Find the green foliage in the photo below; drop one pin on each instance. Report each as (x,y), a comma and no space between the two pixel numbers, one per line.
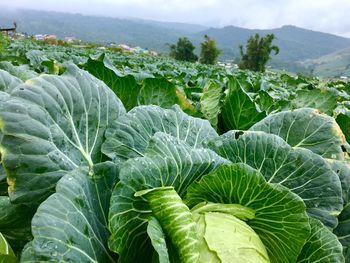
(3,42)
(209,51)
(183,50)
(258,52)
(82,180)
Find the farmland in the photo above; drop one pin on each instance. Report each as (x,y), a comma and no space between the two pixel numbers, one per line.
(118,157)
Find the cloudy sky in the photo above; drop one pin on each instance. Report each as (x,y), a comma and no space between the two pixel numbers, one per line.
(331,16)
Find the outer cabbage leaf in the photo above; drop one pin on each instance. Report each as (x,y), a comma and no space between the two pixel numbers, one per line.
(129,135)
(306,128)
(168,161)
(7,81)
(62,123)
(37,58)
(211,102)
(71,225)
(125,87)
(158,91)
(321,246)
(302,171)
(15,223)
(27,255)
(280,217)
(22,72)
(239,111)
(343,119)
(323,100)
(343,228)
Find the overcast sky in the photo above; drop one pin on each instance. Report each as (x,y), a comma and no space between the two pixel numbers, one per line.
(331,16)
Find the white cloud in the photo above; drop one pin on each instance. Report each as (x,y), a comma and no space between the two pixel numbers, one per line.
(324,15)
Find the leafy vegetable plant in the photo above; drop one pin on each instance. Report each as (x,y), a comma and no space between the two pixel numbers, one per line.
(85,179)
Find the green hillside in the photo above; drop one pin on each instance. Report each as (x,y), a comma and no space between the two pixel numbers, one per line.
(335,64)
(295,43)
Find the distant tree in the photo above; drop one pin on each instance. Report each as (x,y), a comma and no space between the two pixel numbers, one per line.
(257,54)
(183,50)
(209,51)
(3,42)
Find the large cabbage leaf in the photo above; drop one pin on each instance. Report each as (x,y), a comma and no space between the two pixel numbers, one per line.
(321,246)
(71,225)
(168,161)
(343,119)
(302,171)
(306,128)
(62,122)
(7,81)
(125,87)
(239,111)
(22,72)
(322,99)
(158,91)
(129,135)
(343,228)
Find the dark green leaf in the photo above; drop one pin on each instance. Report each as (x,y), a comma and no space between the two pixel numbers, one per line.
(239,111)
(125,87)
(15,223)
(343,119)
(321,246)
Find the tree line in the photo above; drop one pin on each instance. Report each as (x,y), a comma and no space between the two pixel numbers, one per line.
(254,57)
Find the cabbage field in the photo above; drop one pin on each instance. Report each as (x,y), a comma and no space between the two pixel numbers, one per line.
(117,157)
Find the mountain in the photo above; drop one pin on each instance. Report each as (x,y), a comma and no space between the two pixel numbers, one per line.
(134,32)
(335,64)
(296,44)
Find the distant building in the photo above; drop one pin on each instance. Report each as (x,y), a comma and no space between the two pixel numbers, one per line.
(126,48)
(11,30)
(21,35)
(39,37)
(50,37)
